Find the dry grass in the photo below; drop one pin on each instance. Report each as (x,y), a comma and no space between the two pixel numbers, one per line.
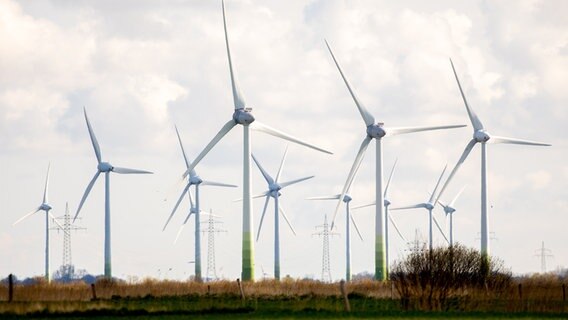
(80,291)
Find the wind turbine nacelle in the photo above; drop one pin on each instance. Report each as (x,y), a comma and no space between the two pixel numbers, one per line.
(243,116)
(45,207)
(386,203)
(275,193)
(105,167)
(481,136)
(429,206)
(195,180)
(376,131)
(347,198)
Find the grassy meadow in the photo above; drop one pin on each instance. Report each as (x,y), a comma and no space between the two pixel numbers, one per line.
(527,298)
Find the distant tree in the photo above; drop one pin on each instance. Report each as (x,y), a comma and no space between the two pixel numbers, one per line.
(431,277)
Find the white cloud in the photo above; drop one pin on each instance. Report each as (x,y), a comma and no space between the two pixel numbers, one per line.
(141,66)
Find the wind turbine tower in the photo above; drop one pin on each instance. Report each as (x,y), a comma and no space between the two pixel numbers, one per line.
(193,180)
(106,168)
(274,187)
(325,261)
(242,115)
(483,137)
(46,208)
(375,131)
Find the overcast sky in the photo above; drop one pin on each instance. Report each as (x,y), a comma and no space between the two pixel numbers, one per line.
(139,67)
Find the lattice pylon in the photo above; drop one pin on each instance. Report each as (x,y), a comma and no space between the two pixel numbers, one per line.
(325,262)
(211,231)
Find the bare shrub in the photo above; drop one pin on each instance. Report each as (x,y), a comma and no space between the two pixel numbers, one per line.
(430,278)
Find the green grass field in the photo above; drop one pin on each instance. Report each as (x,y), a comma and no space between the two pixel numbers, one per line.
(223,306)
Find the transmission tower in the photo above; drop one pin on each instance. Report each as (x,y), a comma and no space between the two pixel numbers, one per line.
(325,263)
(543,253)
(211,230)
(67,268)
(418,244)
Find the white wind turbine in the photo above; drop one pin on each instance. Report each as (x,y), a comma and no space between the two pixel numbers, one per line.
(274,187)
(429,205)
(375,131)
(106,168)
(243,115)
(386,204)
(348,220)
(480,135)
(194,180)
(449,210)
(44,207)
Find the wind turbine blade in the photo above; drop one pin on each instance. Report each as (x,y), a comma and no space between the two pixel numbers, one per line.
(238,97)
(367,116)
(440,228)
(93,137)
(129,171)
(256,125)
(45,190)
(437,185)
(464,155)
(288,183)
(364,206)
(281,165)
(224,130)
(498,139)
(420,205)
(475,122)
(26,216)
(396,228)
(393,131)
(187,163)
(190,196)
(286,218)
(89,187)
(356,227)
(176,206)
(182,226)
(456,197)
(265,174)
(260,195)
(390,177)
(56,222)
(262,217)
(442,204)
(333,197)
(217,184)
(351,175)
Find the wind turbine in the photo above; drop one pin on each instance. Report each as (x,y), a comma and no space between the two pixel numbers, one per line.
(429,205)
(375,131)
(243,115)
(480,135)
(44,207)
(449,210)
(348,220)
(274,187)
(386,204)
(106,168)
(194,180)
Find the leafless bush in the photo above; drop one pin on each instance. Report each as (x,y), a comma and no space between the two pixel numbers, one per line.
(432,277)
